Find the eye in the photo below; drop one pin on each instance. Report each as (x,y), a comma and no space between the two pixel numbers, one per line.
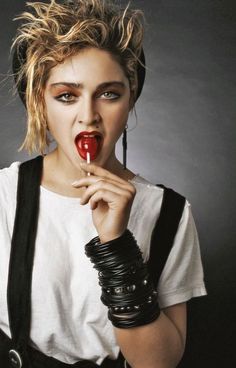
(66,97)
(108,95)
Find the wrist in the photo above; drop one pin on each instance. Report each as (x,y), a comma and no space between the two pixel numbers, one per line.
(103,239)
(127,289)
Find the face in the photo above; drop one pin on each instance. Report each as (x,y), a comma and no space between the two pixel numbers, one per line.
(88,92)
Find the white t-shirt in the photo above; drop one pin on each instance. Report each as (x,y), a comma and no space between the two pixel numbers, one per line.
(69,321)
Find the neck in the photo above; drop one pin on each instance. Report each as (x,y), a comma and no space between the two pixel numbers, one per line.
(63,169)
(115,167)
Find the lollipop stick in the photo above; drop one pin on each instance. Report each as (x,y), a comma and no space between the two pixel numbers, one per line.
(88,160)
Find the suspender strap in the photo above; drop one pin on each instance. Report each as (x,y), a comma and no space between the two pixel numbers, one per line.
(164,231)
(22,252)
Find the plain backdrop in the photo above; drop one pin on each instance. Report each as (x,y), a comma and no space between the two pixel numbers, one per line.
(184,137)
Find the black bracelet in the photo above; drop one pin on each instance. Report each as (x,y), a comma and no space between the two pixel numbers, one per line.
(127,289)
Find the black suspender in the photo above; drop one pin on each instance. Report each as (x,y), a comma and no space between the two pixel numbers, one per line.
(22,252)
(23,245)
(164,231)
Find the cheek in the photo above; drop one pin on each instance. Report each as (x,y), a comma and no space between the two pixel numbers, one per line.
(57,117)
(117,118)
(54,112)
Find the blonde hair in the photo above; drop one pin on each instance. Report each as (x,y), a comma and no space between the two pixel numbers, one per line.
(53,32)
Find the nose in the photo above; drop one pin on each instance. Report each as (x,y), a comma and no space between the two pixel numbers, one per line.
(87,113)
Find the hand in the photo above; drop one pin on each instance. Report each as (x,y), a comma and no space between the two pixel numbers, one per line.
(110,199)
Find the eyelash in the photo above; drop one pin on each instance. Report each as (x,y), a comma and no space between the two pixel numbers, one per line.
(71,95)
(112,93)
(63,95)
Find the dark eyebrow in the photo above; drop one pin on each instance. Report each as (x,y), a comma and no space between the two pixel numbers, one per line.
(110,84)
(80,85)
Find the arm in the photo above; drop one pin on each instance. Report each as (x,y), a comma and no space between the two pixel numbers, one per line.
(159,344)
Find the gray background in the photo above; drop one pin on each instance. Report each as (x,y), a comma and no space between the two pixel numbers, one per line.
(184,138)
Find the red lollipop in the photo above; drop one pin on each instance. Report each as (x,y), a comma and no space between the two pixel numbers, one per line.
(88,145)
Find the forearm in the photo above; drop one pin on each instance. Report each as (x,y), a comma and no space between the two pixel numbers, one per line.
(155,345)
(148,337)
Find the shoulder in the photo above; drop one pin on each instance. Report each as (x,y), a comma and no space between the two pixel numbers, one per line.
(149,193)
(145,188)
(146,210)
(176,214)
(152,194)
(8,192)
(9,174)
(146,205)
(8,181)
(151,198)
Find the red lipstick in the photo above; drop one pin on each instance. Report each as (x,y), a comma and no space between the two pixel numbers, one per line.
(89,142)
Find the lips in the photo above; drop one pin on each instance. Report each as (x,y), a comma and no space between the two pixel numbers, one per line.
(89,142)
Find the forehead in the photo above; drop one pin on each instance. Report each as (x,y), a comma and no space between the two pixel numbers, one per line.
(90,65)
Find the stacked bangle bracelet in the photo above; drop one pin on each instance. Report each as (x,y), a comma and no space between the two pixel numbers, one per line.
(127,289)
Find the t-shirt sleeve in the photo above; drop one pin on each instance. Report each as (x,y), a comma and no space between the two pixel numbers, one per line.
(8,188)
(182,277)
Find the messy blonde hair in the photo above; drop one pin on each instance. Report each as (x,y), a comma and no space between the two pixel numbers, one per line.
(53,32)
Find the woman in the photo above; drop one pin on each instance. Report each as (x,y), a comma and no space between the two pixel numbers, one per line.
(79,70)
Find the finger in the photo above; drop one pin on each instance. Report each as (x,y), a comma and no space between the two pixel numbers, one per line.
(100,171)
(88,181)
(106,196)
(102,185)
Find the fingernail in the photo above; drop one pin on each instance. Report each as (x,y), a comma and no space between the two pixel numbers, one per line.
(75,183)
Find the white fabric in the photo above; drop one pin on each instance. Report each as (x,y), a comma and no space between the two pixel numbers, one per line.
(69,322)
